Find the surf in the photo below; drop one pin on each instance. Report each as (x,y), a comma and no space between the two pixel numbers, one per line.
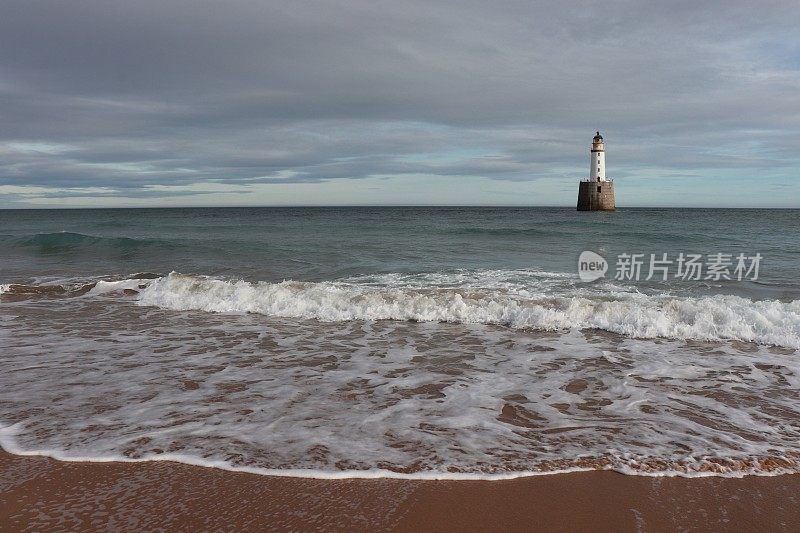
(533,302)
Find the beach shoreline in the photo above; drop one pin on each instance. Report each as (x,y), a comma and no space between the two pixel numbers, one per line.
(40,493)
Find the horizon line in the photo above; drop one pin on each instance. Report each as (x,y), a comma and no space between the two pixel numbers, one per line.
(308,206)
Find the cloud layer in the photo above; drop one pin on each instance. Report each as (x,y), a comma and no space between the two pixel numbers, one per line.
(163,101)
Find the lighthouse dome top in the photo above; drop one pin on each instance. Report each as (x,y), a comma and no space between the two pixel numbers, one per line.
(598,138)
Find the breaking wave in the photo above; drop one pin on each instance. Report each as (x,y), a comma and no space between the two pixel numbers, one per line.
(73,288)
(544,301)
(345,395)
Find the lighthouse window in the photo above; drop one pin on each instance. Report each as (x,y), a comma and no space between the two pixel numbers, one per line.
(598,188)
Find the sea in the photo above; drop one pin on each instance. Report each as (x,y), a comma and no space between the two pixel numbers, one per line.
(413,342)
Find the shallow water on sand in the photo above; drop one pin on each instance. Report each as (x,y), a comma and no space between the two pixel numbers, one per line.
(100,376)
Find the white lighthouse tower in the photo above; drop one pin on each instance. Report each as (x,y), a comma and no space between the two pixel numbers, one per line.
(597,193)
(597,171)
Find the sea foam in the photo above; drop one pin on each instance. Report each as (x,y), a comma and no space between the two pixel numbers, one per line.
(345,397)
(536,301)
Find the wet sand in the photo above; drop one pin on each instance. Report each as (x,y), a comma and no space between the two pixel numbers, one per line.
(39,493)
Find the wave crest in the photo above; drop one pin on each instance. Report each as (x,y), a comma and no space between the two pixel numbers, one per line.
(545,305)
(66,241)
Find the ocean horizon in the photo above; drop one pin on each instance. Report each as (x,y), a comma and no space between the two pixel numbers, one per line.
(379,206)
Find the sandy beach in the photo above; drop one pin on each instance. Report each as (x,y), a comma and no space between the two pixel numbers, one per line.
(38,493)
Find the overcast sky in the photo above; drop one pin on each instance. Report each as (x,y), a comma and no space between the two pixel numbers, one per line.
(173,102)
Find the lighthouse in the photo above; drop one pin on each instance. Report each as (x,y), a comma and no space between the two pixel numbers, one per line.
(596,193)
(597,171)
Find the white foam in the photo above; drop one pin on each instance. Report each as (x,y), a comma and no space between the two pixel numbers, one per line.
(9,444)
(105,287)
(535,301)
(350,396)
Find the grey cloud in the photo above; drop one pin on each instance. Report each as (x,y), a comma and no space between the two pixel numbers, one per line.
(180,92)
